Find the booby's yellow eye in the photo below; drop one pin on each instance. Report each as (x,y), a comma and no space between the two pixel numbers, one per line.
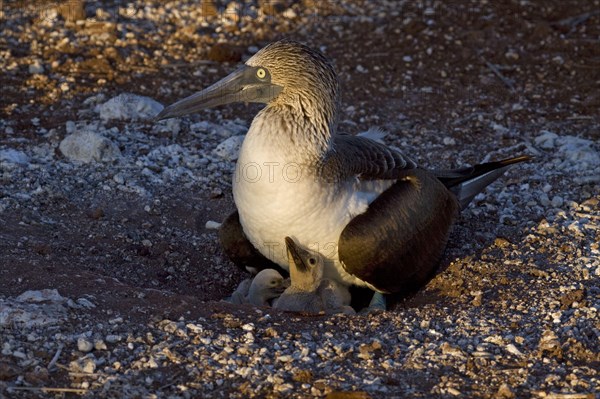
(261,73)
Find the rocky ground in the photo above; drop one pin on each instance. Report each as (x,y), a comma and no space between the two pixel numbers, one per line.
(111,278)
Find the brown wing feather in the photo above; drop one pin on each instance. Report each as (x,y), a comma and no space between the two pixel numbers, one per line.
(363,157)
(397,243)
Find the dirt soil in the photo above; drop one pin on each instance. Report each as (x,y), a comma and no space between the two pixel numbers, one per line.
(514,309)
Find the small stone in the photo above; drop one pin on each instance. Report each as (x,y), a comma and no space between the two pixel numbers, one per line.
(303,376)
(195,328)
(10,155)
(557,201)
(544,200)
(568,299)
(47,295)
(112,338)
(511,348)
(547,187)
(99,345)
(504,392)
(19,355)
(83,345)
(36,67)
(546,140)
(283,388)
(87,146)
(290,13)
(86,364)
(230,148)
(212,225)
(129,106)
(89,366)
(119,179)
(501,242)
(216,193)
(477,298)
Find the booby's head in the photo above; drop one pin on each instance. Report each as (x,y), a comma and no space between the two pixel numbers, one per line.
(284,72)
(267,285)
(306,267)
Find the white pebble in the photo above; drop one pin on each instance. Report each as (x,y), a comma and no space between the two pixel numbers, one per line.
(511,348)
(84,345)
(212,225)
(129,106)
(87,146)
(230,148)
(46,295)
(10,155)
(546,139)
(99,345)
(290,14)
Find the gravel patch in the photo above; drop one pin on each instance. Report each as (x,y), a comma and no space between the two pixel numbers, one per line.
(112,275)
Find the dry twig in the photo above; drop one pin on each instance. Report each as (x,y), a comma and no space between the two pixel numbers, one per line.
(507,82)
(55,357)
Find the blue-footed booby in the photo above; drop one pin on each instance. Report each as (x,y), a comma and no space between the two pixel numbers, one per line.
(376,218)
(309,291)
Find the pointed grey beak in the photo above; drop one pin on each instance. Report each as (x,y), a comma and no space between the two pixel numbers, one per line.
(297,254)
(242,85)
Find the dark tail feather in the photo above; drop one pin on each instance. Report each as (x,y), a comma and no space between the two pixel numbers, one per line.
(467,182)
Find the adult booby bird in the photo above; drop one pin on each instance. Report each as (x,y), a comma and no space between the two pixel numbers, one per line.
(376,218)
(309,291)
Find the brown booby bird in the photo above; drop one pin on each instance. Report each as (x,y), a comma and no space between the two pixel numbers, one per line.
(376,218)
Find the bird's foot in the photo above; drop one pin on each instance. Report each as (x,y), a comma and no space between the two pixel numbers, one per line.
(378,304)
